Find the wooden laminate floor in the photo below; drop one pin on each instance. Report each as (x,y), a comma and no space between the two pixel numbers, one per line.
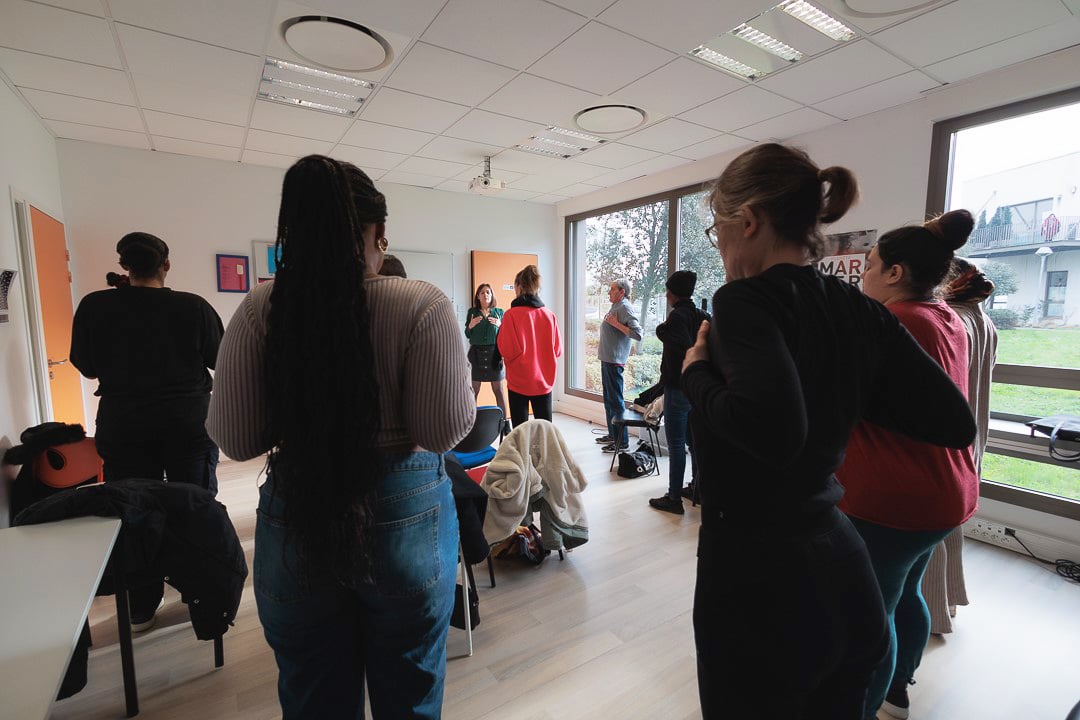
(604,634)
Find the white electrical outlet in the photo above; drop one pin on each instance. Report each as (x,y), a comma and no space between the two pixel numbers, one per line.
(989,532)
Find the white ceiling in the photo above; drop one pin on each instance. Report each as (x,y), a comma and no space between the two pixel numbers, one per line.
(475,77)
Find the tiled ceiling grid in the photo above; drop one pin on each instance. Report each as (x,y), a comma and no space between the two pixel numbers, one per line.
(475,77)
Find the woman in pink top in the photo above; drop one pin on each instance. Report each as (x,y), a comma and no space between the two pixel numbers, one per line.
(904,496)
(530,345)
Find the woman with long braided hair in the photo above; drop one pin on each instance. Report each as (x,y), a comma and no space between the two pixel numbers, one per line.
(330,368)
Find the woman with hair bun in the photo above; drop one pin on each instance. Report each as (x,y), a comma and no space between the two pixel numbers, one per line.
(356,385)
(790,363)
(903,495)
(530,345)
(150,348)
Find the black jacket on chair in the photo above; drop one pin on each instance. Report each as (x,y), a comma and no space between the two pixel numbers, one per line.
(173,530)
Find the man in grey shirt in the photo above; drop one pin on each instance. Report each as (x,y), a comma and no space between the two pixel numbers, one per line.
(619,329)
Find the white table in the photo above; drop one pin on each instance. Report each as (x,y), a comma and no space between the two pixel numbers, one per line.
(48,575)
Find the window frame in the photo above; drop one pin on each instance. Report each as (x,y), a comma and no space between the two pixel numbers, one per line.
(1010,443)
(672,198)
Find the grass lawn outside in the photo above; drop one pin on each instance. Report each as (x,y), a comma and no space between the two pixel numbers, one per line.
(1057,347)
(1041,477)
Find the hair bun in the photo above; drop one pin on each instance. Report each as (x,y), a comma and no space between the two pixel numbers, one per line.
(953,227)
(841,194)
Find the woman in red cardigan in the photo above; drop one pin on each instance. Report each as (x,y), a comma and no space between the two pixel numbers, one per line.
(904,496)
(530,345)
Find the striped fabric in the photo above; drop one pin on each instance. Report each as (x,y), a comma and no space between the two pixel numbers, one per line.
(425,396)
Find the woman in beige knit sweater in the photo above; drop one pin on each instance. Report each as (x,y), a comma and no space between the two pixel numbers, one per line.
(355,384)
(965,290)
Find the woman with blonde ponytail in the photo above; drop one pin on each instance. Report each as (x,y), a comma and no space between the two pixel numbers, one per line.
(791,361)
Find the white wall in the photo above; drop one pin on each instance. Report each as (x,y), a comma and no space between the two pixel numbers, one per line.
(202,207)
(889,152)
(28,168)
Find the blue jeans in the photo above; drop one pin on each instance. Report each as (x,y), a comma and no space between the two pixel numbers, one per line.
(611,377)
(899,558)
(328,635)
(676,412)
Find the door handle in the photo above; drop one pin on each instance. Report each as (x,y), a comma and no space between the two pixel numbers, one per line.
(57,362)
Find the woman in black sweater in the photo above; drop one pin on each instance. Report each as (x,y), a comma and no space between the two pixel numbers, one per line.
(789,364)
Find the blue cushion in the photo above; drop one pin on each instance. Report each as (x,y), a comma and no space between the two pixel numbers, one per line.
(475,459)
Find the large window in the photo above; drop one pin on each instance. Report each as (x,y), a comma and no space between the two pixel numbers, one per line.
(642,242)
(1017,169)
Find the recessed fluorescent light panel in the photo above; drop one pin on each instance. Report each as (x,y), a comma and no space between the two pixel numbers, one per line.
(555,141)
(767,43)
(820,21)
(290,83)
(575,134)
(727,63)
(544,151)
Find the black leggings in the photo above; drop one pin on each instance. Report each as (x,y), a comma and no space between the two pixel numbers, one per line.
(519,407)
(787,627)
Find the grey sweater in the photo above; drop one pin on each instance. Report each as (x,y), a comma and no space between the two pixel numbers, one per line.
(614,346)
(425,397)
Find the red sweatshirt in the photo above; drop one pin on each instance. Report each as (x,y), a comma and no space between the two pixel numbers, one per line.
(890,479)
(529,343)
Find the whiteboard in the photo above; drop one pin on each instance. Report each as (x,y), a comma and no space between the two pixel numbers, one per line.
(436,268)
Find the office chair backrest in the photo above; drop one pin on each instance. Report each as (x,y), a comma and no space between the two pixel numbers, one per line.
(488,426)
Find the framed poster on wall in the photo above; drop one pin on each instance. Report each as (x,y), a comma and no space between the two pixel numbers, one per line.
(232,273)
(262,253)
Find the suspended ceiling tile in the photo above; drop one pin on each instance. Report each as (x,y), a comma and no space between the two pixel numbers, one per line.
(51,31)
(406,178)
(888,93)
(722,144)
(385,137)
(615,177)
(511,194)
(548,199)
(614,155)
(679,86)
(90,133)
(453,186)
(427,166)
(255,157)
(681,25)
(434,72)
(966,25)
(837,9)
(590,8)
(572,171)
(299,121)
(237,24)
(415,112)
(497,171)
(1007,52)
(578,189)
(156,55)
(668,135)
(537,183)
(368,159)
(600,60)
(786,126)
(90,7)
(539,100)
(408,17)
(265,141)
(187,147)
(515,33)
(54,106)
(492,129)
(193,129)
(41,72)
(845,69)
(659,164)
(454,150)
(523,162)
(739,109)
(182,99)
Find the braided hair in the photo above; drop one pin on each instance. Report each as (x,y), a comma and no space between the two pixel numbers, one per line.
(320,365)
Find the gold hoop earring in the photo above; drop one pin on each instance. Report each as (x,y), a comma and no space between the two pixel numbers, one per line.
(382,244)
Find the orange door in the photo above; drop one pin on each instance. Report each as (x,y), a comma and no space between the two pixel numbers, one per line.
(497,270)
(54,289)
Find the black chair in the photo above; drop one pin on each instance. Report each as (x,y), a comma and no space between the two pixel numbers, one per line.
(632,418)
(476,449)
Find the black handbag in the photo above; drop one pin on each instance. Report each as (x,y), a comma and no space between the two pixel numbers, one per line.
(457,618)
(638,463)
(1058,427)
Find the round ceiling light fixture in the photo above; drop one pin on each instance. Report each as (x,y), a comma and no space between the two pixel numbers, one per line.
(337,44)
(884,8)
(607,119)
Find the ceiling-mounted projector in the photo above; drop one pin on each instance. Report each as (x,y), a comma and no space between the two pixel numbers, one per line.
(485,184)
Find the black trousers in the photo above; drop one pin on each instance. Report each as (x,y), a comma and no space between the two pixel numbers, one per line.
(156,440)
(519,407)
(789,626)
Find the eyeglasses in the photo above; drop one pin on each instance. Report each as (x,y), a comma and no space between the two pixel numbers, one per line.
(711,234)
